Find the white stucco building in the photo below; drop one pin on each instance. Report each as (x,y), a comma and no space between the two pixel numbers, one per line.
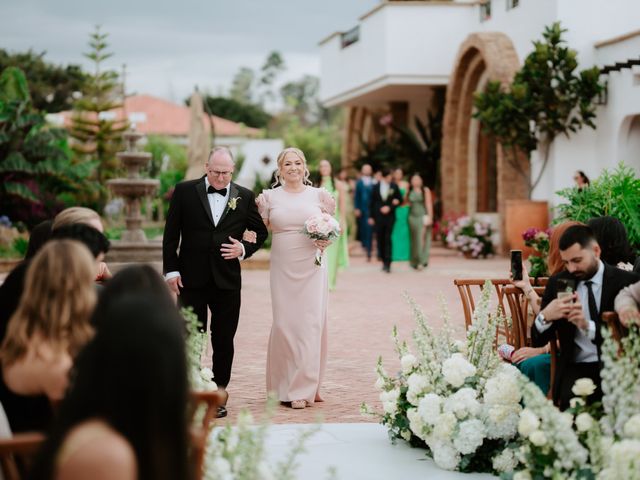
(404,57)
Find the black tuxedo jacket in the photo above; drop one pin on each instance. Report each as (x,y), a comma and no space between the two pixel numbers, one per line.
(376,203)
(190,226)
(613,281)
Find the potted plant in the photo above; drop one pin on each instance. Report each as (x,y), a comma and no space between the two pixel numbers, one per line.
(547,98)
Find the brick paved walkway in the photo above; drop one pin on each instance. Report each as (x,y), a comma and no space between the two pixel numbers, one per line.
(362,311)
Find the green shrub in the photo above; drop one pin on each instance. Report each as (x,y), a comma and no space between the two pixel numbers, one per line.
(615,193)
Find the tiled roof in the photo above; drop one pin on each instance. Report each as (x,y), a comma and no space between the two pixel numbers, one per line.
(153,115)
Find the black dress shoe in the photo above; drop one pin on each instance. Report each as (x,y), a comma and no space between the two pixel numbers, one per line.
(222,412)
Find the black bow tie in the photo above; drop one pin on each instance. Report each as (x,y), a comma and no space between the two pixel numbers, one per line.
(222,191)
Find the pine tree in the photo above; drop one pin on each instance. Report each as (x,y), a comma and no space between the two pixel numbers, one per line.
(96,129)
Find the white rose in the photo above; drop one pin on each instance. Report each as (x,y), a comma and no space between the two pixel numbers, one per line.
(632,427)
(529,422)
(456,370)
(538,438)
(407,362)
(429,408)
(584,422)
(576,402)
(583,387)
(523,475)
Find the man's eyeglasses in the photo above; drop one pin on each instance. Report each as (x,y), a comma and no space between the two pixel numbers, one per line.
(215,173)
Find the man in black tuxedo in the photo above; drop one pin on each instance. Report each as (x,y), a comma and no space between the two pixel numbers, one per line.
(576,318)
(207,218)
(385,197)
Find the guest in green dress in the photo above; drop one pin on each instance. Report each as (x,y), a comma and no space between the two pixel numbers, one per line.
(420,222)
(400,236)
(337,254)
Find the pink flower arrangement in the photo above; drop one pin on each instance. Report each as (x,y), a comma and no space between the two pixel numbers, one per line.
(321,227)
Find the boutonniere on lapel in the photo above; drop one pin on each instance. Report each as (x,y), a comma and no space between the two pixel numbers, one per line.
(233,203)
(390,192)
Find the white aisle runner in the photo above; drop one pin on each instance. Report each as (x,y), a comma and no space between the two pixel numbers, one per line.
(357,451)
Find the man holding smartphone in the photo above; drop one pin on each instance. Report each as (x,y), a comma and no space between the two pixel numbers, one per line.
(576,318)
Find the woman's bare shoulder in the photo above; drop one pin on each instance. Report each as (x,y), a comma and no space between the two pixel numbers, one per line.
(95,450)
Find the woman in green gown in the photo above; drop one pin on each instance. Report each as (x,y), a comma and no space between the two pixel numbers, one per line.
(400,240)
(420,222)
(337,254)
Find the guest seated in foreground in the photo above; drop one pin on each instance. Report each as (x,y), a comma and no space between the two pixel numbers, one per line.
(626,305)
(124,417)
(576,318)
(48,329)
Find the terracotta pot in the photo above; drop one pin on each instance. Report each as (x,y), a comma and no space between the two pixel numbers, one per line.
(468,255)
(521,215)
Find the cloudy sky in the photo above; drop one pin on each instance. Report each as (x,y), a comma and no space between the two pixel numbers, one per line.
(171,45)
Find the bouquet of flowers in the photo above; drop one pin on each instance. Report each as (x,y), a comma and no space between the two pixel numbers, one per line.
(455,398)
(538,240)
(321,227)
(470,236)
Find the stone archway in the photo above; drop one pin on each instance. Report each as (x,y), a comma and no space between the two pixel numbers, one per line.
(482,57)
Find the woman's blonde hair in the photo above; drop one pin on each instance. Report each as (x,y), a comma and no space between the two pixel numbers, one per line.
(297,152)
(73,215)
(57,302)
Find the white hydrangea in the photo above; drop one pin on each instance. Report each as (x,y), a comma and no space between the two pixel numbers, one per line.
(632,427)
(583,387)
(463,403)
(429,408)
(584,422)
(416,423)
(456,369)
(407,363)
(505,461)
(623,461)
(502,388)
(445,456)
(417,384)
(444,426)
(522,475)
(390,401)
(538,438)
(470,435)
(502,420)
(529,422)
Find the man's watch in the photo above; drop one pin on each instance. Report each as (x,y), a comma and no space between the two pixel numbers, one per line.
(542,319)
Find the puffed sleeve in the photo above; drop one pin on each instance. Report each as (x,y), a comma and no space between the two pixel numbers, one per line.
(263,204)
(327,202)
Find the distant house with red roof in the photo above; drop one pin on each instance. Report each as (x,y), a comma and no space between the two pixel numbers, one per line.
(156,116)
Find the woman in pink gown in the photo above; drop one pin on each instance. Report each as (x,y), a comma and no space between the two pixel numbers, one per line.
(297,354)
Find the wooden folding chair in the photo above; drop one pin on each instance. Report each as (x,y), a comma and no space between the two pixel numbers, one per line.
(519,307)
(466,287)
(553,349)
(18,449)
(210,401)
(618,331)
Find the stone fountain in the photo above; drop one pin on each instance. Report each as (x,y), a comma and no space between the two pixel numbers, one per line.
(134,245)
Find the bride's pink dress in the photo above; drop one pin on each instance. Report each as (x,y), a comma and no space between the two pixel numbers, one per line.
(297,354)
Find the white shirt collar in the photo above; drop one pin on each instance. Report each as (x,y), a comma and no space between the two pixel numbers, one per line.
(597,278)
(207,184)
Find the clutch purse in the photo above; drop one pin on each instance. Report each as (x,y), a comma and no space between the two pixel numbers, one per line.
(426,220)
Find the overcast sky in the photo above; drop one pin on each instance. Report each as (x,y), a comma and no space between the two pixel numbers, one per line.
(171,45)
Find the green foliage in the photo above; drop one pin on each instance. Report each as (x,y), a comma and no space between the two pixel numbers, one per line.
(51,87)
(237,111)
(300,98)
(242,85)
(160,147)
(36,171)
(547,98)
(615,193)
(316,141)
(98,136)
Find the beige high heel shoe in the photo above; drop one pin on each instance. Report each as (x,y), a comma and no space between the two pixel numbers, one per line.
(298,404)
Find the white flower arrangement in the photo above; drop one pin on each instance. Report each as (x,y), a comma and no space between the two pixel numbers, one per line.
(454,398)
(200,379)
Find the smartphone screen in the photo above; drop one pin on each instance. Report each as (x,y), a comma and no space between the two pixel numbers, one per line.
(516,264)
(566,287)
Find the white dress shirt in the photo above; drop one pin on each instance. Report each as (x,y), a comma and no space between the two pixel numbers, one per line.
(384,190)
(584,339)
(217,204)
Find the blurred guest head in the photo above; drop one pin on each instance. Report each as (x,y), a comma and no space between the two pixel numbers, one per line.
(416,181)
(386,174)
(70,216)
(93,239)
(366,170)
(613,240)
(398,175)
(554,261)
(325,168)
(581,179)
(56,303)
(39,236)
(133,377)
(580,251)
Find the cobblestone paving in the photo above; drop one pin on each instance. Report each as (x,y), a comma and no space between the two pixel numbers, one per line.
(362,312)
